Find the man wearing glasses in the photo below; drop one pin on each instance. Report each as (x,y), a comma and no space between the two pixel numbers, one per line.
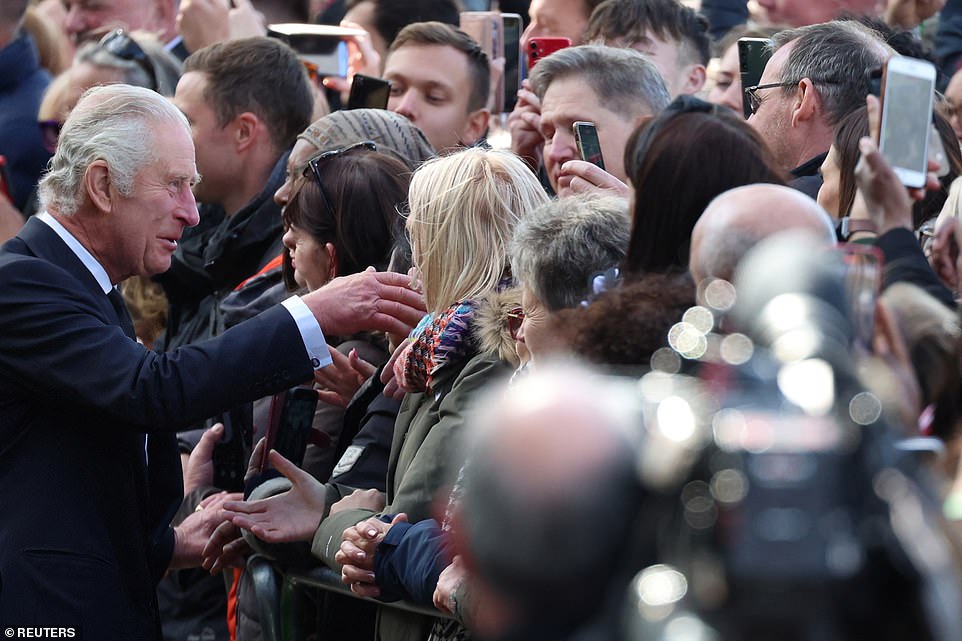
(817,76)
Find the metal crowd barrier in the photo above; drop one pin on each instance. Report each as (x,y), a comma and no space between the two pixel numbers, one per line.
(283,597)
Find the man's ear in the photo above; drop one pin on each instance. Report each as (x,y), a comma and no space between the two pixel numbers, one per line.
(247,129)
(96,182)
(807,104)
(695,78)
(475,127)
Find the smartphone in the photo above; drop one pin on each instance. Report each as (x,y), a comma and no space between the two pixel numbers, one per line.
(6,187)
(753,55)
(538,48)
(513,27)
(863,282)
(291,421)
(368,92)
(486,29)
(232,451)
(589,147)
(321,45)
(908,94)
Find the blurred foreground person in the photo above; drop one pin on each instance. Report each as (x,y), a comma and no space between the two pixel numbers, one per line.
(569,555)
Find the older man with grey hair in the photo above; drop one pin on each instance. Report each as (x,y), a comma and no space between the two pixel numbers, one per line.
(89,471)
(556,252)
(612,88)
(740,218)
(816,76)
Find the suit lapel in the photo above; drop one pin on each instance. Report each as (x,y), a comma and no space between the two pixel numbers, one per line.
(43,242)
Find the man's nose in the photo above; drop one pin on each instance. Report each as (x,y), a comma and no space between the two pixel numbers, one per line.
(407,106)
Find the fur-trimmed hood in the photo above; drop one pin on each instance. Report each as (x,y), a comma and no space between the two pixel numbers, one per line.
(491,324)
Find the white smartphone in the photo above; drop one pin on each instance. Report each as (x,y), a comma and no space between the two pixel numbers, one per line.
(908,91)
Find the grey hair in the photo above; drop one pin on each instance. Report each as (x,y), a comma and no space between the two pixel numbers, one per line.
(836,57)
(559,246)
(624,80)
(110,123)
(167,68)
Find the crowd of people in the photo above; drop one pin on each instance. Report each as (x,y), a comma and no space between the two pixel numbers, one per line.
(710,388)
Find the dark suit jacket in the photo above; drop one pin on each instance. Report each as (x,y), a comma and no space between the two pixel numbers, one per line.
(84,532)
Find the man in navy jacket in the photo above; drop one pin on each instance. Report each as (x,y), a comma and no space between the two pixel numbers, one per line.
(89,471)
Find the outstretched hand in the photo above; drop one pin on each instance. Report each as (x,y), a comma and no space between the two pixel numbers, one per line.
(191,536)
(290,516)
(340,380)
(367,301)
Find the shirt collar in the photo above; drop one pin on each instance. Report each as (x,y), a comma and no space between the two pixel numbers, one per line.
(95,268)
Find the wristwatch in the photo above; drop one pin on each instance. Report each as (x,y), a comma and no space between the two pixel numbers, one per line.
(848,226)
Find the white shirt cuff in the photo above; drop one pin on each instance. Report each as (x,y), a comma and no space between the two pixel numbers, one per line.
(311,334)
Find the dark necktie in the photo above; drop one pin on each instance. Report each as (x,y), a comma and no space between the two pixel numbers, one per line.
(122,314)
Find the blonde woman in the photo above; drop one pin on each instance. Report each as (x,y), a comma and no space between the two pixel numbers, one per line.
(463,210)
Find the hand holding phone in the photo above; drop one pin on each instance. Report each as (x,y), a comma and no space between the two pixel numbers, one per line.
(908,92)
(368,92)
(589,146)
(538,48)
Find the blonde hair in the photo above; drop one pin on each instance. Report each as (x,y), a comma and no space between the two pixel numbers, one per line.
(464,207)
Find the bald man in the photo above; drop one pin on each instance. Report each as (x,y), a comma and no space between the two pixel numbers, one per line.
(580,492)
(740,218)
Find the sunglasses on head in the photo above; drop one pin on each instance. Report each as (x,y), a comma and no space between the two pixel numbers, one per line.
(119,43)
(313,163)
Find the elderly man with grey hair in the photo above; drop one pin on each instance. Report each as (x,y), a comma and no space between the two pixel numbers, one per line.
(556,252)
(740,218)
(816,76)
(88,459)
(612,88)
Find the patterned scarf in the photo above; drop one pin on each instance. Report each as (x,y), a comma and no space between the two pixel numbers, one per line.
(440,340)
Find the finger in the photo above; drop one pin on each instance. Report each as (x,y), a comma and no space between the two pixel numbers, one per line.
(354,574)
(209,500)
(874,116)
(222,535)
(254,465)
(532,120)
(366,590)
(399,518)
(208,440)
(331,398)
(360,365)
(336,83)
(293,473)
(400,293)
(245,507)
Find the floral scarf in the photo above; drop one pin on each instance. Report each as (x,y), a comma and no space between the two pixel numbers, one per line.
(440,340)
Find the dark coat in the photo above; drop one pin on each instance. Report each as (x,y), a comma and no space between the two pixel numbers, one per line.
(84,532)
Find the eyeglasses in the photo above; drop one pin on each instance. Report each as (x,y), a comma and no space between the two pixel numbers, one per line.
(754,101)
(119,43)
(327,155)
(515,317)
(50,134)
